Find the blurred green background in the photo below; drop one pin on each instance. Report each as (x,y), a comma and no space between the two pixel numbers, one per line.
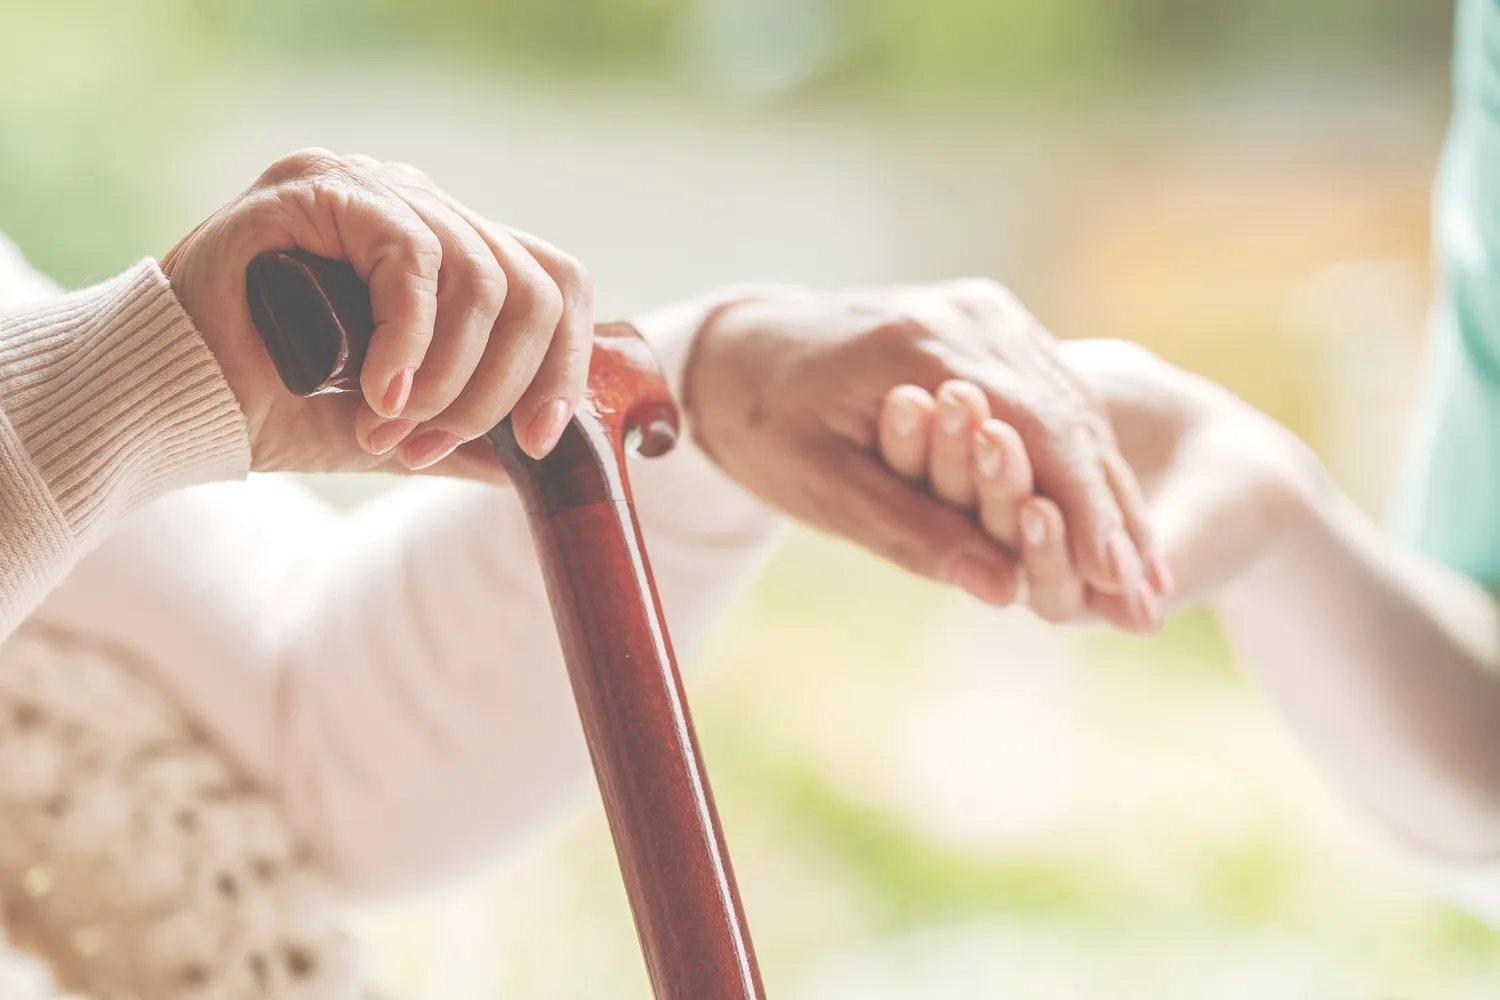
(925,799)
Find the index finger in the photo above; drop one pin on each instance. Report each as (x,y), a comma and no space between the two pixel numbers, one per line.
(396,254)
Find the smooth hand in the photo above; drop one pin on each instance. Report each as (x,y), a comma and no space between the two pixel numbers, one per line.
(1224,484)
(473,320)
(785,391)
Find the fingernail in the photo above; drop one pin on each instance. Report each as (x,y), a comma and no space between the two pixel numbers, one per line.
(546,427)
(1149,612)
(982,576)
(952,415)
(1033,527)
(1126,564)
(429,448)
(389,434)
(397,392)
(906,416)
(1161,575)
(987,455)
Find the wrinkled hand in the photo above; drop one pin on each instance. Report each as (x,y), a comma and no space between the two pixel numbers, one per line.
(784,390)
(473,320)
(1223,483)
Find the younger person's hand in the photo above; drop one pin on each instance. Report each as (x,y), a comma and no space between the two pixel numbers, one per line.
(950,445)
(1221,481)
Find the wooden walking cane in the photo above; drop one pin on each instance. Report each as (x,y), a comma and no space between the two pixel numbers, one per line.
(314,316)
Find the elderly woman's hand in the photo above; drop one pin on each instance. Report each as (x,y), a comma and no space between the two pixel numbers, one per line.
(1225,485)
(474,320)
(785,389)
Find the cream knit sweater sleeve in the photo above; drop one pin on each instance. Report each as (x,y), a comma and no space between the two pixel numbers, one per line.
(108,399)
(393,674)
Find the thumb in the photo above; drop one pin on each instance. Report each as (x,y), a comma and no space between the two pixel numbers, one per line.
(871,506)
(1189,521)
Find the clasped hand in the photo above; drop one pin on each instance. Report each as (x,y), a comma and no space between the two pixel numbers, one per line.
(941,426)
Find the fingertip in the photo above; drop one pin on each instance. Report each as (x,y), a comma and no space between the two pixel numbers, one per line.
(387,435)
(999,455)
(397,392)
(386,391)
(1033,524)
(1093,542)
(1053,527)
(960,402)
(967,393)
(427,448)
(1151,613)
(904,427)
(546,428)
(1159,574)
(989,460)
(1015,462)
(906,409)
(914,394)
(1129,573)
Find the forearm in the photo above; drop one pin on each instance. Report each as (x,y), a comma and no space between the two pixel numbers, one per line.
(108,399)
(1385,664)
(394,675)
(427,718)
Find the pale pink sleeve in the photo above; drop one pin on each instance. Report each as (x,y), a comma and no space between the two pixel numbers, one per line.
(394,674)
(108,399)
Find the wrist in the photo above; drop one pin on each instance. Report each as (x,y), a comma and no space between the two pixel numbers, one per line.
(699,344)
(116,400)
(1301,503)
(190,270)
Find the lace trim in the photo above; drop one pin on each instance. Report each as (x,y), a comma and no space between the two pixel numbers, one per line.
(135,863)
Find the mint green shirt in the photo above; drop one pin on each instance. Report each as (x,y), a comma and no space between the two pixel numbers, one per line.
(1448,502)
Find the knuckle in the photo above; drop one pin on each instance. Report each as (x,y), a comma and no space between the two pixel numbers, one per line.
(897,330)
(1094,429)
(1074,436)
(575,281)
(424,254)
(364,162)
(546,302)
(485,286)
(408,172)
(1046,417)
(1098,520)
(569,367)
(909,340)
(409,339)
(303,163)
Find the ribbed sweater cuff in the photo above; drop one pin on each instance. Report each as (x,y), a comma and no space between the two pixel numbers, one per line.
(672,330)
(116,400)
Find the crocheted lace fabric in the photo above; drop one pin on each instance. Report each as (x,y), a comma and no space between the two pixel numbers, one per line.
(135,863)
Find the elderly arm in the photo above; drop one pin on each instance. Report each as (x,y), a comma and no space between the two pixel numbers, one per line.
(393,674)
(108,399)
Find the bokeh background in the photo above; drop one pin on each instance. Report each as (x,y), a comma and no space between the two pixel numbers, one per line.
(925,798)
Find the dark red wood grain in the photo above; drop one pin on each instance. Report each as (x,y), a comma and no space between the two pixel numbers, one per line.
(313,315)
